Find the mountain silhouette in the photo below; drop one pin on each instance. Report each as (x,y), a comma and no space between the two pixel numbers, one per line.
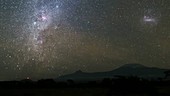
(140,71)
(125,70)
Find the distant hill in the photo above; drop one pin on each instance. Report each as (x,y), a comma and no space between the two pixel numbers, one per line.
(125,70)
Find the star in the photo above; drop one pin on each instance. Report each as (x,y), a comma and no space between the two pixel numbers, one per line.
(35,23)
(148,19)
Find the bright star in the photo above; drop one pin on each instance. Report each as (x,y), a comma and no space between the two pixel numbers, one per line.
(148,19)
(35,23)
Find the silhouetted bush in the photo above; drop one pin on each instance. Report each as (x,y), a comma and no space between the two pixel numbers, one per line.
(46,83)
(106,82)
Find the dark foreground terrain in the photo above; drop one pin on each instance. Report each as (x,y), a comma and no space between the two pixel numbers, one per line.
(129,86)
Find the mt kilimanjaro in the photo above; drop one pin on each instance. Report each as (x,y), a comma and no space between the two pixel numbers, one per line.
(125,70)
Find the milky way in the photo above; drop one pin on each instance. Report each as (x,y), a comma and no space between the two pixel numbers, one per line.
(41,18)
(50,38)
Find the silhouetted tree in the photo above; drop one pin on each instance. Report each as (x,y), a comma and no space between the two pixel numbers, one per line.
(70,82)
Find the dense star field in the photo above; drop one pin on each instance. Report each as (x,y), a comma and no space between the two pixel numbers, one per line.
(50,38)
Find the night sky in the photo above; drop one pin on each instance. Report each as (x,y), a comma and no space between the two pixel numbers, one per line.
(49,38)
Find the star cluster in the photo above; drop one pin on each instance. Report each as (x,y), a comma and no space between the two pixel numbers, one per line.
(50,38)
